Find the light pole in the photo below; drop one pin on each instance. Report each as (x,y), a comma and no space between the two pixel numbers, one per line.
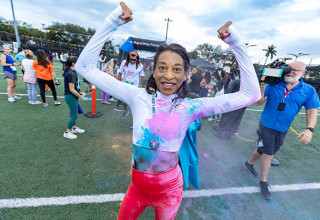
(310,63)
(15,26)
(167,20)
(298,55)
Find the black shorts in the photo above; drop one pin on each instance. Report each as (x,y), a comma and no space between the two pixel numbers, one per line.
(272,140)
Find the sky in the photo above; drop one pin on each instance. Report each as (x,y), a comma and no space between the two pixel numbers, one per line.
(291,25)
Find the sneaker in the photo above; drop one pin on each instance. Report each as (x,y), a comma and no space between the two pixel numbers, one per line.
(78,130)
(11,99)
(250,169)
(275,162)
(107,103)
(264,189)
(124,114)
(69,135)
(57,103)
(112,100)
(210,119)
(131,126)
(45,104)
(16,97)
(36,102)
(30,102)
(118,109)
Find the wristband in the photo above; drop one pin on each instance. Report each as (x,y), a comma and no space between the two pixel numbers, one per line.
(311,129)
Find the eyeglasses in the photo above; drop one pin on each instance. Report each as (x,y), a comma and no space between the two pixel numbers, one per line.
(294,70)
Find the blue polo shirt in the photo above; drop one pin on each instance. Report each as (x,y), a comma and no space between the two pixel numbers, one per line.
(20,56)
(302,94)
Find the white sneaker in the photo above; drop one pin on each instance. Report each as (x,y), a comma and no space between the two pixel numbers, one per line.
(11,99)
(69,135)
(30,102)
(16,97)
(36,102)
(78,130)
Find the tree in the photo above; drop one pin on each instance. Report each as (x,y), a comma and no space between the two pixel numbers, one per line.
(193,54)
(286,58)
(270,52)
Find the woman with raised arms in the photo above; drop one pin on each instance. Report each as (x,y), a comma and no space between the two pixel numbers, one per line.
(162,113)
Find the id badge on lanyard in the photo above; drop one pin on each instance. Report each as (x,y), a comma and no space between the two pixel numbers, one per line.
(13,68)
(282,105)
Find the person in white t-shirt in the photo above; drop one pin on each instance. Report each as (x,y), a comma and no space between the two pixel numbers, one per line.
(30,77)
(130,72)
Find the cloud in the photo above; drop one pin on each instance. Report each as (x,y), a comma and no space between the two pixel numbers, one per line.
(291,25)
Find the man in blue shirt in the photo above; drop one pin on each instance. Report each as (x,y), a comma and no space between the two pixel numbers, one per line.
(284,101)
(19,57)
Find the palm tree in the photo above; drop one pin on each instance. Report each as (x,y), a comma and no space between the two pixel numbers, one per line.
(270,52)
(287,58)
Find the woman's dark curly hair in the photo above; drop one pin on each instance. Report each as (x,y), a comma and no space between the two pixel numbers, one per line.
(151,85)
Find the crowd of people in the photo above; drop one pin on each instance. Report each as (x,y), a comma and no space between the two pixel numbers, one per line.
(167,110)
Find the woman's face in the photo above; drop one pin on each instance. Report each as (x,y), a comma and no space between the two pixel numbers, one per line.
(169,72)
(6,50)
(133,58)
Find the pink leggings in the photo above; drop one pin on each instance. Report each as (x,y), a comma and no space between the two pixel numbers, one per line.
(104,96)
(163,191)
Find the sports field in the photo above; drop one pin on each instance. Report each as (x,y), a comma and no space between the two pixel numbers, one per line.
(45,176)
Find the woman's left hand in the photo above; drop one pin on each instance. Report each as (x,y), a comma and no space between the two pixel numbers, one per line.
(126,13)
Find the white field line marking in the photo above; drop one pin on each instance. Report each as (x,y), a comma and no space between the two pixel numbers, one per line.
(68,200)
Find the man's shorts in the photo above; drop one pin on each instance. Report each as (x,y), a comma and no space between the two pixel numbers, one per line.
(9,75)
(272,140)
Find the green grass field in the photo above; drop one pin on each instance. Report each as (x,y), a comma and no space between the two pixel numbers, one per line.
(37,162)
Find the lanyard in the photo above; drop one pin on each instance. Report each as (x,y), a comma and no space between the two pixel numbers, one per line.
(154,144)
(154,110)
(286,94)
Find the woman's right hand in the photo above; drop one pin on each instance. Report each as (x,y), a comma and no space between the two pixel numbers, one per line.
(223,31)
(83,98)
